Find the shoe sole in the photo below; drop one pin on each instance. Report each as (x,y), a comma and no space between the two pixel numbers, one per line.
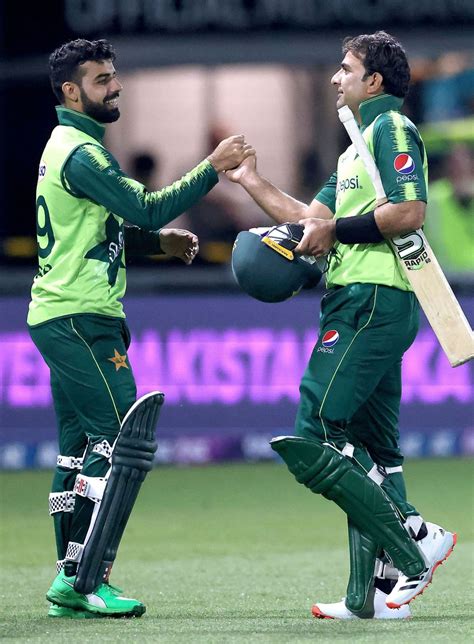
(57,598)
(73,613)
(438,563)
(318,613)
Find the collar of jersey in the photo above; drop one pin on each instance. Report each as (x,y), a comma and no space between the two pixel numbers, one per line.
(81,122)
(370,109)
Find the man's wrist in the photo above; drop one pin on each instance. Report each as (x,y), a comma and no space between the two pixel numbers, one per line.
(361,229)
(142,242)
(250,178)
(215,164)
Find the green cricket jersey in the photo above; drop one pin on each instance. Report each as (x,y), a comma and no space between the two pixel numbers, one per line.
(82,200)
(400,156)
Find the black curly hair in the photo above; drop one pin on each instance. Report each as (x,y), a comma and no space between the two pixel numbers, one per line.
(65,61)
(380,52)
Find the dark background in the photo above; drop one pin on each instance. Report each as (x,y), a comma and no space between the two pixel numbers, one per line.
(172,32)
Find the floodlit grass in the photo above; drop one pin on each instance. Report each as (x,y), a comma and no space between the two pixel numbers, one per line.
(233,553)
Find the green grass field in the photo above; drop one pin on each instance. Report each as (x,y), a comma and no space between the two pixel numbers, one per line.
(233,553)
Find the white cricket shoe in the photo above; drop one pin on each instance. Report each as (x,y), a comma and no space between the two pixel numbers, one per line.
(436,547)
(339,610)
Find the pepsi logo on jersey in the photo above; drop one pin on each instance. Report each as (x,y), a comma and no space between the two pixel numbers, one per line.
(404,164)
(329,339)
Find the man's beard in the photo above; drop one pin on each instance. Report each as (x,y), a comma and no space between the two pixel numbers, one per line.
(99,111)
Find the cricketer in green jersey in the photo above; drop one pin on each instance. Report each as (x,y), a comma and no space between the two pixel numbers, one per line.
(347,420)
(76,319)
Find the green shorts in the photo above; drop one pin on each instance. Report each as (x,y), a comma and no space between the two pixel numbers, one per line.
(351,389)
(92,381)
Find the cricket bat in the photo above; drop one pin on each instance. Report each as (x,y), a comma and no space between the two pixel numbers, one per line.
(421,267)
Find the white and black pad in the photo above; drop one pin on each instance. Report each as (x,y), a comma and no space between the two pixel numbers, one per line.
(132,459)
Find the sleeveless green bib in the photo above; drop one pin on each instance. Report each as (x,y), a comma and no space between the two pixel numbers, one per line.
(80,244)
(355,195)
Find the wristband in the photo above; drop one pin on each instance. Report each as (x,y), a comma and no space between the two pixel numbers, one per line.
(142,242)
(361,229)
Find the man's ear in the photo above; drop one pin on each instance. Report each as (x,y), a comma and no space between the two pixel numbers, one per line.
(375,85)
(71,91)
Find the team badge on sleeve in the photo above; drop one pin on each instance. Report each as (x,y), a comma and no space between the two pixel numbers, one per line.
(404,164)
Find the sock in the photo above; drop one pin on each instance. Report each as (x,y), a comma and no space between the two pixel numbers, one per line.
(385,585)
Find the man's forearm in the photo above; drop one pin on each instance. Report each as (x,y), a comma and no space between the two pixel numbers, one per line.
(277,204)
(398,218)
(91,172)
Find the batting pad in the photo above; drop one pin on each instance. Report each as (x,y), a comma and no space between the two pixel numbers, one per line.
(132,459)
(360,593)
(324,470)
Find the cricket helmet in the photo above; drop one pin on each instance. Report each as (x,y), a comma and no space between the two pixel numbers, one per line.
(265,266)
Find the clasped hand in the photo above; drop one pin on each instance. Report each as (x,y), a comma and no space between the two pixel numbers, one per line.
(180,243)
(318,237)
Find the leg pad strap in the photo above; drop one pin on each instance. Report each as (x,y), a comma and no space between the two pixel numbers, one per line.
(90,487)
(69,462)
(104,448)
(61,502)
(74,551)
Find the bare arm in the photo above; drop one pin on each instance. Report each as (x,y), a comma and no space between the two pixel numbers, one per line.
(318,210)
(277,204)
(392,219)
(397,218)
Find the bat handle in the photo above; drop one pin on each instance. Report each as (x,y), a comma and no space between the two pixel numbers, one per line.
(345,114)
(381,201)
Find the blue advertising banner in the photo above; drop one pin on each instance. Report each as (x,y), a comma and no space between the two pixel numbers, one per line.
(230,368)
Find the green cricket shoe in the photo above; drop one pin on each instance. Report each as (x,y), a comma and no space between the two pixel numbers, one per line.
(104,601)
(70,613)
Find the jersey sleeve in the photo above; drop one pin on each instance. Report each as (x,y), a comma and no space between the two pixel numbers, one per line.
(327,194)
(400,157)
(142,242)
(92,172)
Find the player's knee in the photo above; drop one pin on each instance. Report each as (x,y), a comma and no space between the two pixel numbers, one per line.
(309,424)
(317,423)
(125,402)
(315,465)
(98,455)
